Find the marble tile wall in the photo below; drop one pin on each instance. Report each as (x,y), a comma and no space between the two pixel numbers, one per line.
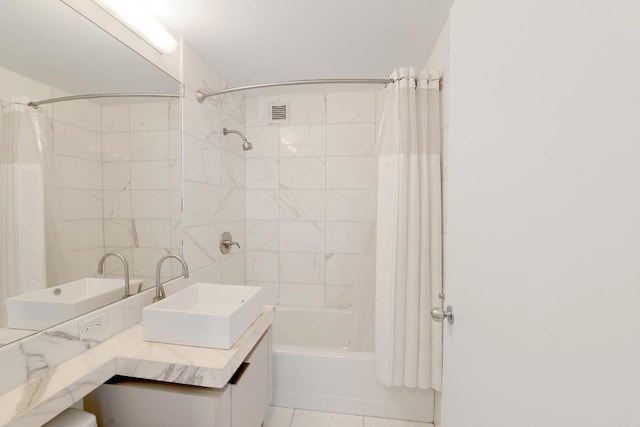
(142,182)
(118,173)
(77,148)
(214,174)
(310,195)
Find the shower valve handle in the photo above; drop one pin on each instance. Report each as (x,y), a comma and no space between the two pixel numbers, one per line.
(229,243)
(226,242)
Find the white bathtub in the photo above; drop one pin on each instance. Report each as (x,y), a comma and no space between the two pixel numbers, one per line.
(313,369)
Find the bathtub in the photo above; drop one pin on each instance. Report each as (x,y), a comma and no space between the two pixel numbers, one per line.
(313,369)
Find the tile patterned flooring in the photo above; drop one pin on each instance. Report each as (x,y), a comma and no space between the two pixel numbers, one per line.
(288,417)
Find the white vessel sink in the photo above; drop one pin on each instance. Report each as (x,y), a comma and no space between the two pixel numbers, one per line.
(203,315)
(47,307)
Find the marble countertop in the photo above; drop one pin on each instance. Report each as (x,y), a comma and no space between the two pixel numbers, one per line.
(41,398)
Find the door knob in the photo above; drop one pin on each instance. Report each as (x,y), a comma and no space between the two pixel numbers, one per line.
(438,314)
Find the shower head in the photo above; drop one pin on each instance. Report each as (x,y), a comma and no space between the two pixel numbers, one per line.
(246,145)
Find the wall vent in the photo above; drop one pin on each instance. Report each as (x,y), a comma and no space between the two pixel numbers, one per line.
(279,113)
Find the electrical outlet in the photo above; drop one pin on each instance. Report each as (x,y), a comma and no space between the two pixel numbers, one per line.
(92,326)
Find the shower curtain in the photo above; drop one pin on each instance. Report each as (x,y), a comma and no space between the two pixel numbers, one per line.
(409,238)
(25,171)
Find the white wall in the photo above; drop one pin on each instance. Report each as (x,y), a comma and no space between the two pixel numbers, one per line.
(543,259)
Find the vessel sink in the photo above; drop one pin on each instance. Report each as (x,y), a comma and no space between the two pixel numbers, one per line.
(47,307)
(203,315)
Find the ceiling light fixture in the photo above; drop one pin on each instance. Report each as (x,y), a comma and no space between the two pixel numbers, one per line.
(141,22)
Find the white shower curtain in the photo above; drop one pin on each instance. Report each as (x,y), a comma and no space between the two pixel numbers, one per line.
(24,138)
(409,237)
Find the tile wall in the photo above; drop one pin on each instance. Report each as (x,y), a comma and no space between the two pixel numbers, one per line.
(142,174)
(310,196)
(77,147)
(119,181)
(214,175)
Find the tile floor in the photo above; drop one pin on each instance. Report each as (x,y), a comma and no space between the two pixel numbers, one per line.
(288,417)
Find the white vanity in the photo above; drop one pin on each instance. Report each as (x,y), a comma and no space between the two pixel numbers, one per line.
(179,384)
(241,402)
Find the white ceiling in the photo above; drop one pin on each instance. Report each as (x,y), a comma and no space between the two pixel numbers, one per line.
(257,41)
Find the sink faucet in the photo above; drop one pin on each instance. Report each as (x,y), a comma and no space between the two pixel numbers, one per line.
(160,294)
(127,290)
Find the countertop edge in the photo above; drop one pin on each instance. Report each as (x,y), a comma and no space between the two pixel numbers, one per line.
(127,354)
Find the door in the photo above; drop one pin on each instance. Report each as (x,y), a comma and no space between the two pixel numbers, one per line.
(542,228)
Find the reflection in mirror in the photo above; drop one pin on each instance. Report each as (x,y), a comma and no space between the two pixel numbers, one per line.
(80,178)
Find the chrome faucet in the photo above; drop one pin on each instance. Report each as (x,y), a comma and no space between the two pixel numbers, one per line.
(127,290)
(160,294)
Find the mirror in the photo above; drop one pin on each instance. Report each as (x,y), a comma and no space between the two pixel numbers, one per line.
(80,178)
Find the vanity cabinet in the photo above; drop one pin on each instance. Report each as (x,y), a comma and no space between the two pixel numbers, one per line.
(251,386)
(243,402)
(127,402)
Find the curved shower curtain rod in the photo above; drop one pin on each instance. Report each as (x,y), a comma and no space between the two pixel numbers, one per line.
(35,104)
(203,94)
